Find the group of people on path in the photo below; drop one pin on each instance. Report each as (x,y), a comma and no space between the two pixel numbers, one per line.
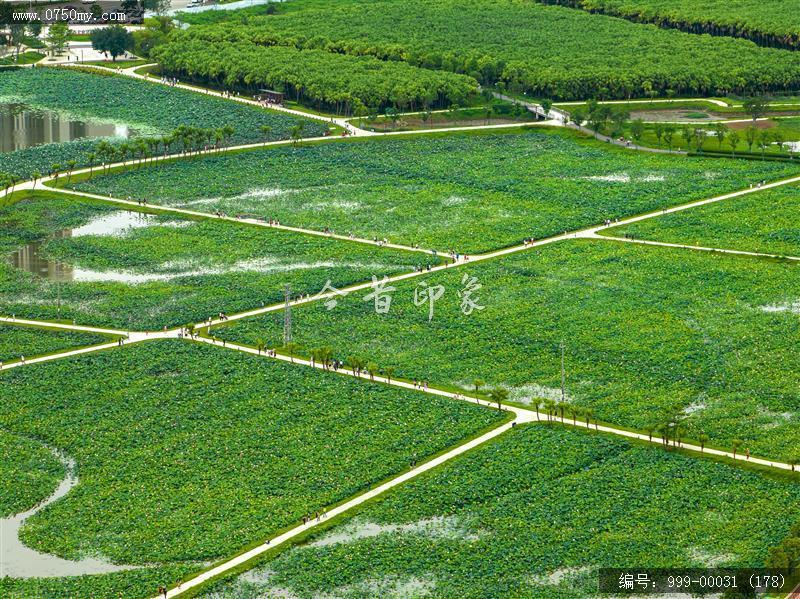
(318,516)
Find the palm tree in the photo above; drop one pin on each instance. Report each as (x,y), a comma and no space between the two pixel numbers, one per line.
(372,368)
(669,134)
(733,141)
(549,405)
(314,355)
(35,175)
(326,355)
(91,158)
(537,403)
(70,167)
(54,168)
(266,130)
(588,413)
(478,383)
(227,133)
(649,430)
(296,132)
(703,438)
(388,372)
(356,364)
(291,348)
(573,411)
(499,395)
(735,444)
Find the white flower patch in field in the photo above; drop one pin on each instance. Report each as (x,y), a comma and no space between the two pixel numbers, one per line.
(526,393)
(388,586)
(438,527)
(615,178)
(793,307)
(706,559)
(115,224)
(697,405)
(454,201)
(556,577)
(258,580)
(180,269)
(770,419)
(652,178)
(345,205)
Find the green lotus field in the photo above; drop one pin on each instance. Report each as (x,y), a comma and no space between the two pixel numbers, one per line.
(149,109)
(535,514)
(764,222)
(650,334)
(17,341)
(172,271)
(470,192)
(186,453)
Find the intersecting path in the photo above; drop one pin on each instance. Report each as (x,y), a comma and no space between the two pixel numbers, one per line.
(698,248)
(519,416)
(63,326)
(122,338)
(592,231)
(257,222)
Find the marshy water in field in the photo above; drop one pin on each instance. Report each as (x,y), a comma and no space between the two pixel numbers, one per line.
(19,561)
(23,127)
(29,257)
(33,256)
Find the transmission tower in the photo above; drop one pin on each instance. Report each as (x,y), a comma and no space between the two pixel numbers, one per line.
(287,314)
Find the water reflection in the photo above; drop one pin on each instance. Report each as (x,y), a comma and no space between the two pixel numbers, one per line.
(22,127)
(29,258)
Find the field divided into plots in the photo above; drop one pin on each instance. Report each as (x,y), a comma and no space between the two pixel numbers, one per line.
(535,514)
(186,453)
(137,107)
(468,192)
(17,341)
(152,271)
(764,222)
(650,333)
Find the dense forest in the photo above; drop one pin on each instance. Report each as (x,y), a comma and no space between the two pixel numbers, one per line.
(549,51)
(773,23)
(338,82)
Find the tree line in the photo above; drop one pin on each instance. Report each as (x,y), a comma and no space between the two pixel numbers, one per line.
(546,51)
(340,83)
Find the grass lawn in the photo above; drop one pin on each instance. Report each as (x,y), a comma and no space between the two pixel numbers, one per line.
(187,453)
(29,57)
(16,341)
(155,271)
(535,514)
(649,333)
(468,192)
(762,222)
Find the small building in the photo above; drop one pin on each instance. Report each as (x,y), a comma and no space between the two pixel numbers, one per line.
(270,95)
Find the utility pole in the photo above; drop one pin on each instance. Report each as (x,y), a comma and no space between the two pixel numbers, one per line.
(287,314)
(563,375)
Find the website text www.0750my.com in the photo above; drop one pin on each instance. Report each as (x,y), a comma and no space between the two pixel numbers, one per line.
(67,15)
